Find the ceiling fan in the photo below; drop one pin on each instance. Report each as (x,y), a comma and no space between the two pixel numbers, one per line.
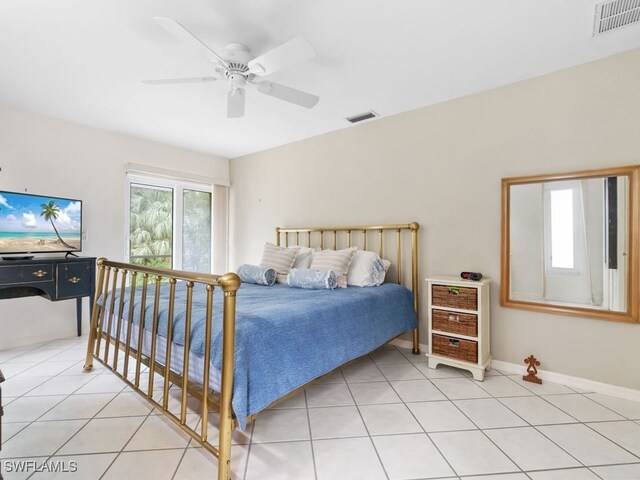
(236,65)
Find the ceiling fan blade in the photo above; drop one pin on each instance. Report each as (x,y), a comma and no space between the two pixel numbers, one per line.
(235,103)
(184,35)
(288,94)
(294,51)
(176,81)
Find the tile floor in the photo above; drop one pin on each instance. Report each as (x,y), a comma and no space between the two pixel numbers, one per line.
(385,415)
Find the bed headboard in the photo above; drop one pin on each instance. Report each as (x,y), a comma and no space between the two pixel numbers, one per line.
(378,238)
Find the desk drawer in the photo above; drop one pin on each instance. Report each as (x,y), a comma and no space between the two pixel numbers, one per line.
(74,279)
(15,275)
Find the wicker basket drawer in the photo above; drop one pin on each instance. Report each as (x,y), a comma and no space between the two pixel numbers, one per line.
(454,297)
(455,322)
(455,348)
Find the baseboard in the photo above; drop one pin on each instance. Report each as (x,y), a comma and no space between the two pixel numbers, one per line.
(399,342)
(571,381)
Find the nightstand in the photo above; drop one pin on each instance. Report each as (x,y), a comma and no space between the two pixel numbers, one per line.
(459,324)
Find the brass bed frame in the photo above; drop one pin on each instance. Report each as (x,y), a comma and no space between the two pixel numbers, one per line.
(114,276)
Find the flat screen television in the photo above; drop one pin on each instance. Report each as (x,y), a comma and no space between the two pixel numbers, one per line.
(39,224)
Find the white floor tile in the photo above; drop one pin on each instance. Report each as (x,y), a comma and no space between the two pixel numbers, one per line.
(11,370)
(282,461)
(281,426)
(333,377)
(443,371)
(126,404)
(329,395)
(10,429)
(536,410)
(381,356)
(544,388)
(459,388)
(582,408)
(296,401)
(102,435)
(49,368)
(374,393)
(158,432)
(363,373)
(40,438)
(501,386)
(619,472)
(499,476)
(63,385)
(440,416)
(336,422)
(14,387)
(587,446)
(531,450)
(78,407)
(568,474)
(27,409)
(198,464)
(347,459)
(626,408)
(152,464)
(489,413)
(626,434)
(102,384)
(389,419)
(471,453)
(400,371)
(411,456)
(417,390)
(87,467)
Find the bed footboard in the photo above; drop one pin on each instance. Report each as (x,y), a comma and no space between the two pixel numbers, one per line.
(116,340)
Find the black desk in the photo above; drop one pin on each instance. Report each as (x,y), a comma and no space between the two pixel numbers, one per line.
(55,278)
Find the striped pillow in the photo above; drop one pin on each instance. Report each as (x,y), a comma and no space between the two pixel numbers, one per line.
(336,260)
(280,259)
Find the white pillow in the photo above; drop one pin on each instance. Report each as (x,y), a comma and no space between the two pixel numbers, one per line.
(281,259)
(367,269)
(303,259)
(336,260)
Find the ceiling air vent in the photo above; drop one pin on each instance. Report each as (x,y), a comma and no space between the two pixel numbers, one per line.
(366,115)
(616,14)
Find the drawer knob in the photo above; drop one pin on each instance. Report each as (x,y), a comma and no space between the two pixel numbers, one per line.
(453,290)
(454,318)
(74,279)
(40,273)
(453,343)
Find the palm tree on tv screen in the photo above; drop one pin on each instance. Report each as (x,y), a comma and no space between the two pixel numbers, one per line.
(50,211)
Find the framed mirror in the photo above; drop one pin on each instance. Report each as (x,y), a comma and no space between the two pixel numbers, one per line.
(570,243)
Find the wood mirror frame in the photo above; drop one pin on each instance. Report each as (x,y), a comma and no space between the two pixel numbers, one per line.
(633,251)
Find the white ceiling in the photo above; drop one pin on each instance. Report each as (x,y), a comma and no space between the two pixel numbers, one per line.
(83,60)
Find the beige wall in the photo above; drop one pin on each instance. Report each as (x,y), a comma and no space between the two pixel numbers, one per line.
(441,166)
(53,157)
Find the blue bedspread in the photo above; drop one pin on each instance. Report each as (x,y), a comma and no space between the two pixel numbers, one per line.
(286,337)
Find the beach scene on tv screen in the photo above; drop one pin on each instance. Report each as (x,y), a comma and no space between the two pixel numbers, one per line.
(30,223)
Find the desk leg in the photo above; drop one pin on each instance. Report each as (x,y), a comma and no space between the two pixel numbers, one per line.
(79,314)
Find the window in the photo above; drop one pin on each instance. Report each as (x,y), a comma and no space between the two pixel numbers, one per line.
(563,225)
(170,224)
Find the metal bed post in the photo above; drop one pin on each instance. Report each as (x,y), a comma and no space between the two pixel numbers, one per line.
(414,283)
(230,283)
